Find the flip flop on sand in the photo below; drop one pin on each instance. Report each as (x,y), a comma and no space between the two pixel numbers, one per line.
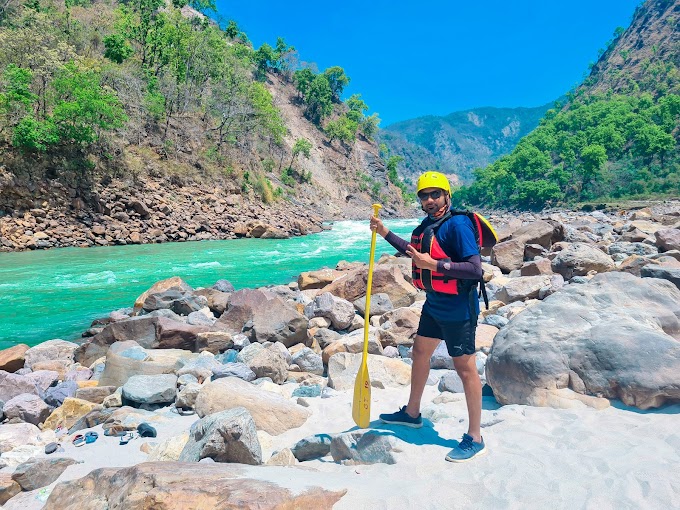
(91,437)
(126,438)
(78,440)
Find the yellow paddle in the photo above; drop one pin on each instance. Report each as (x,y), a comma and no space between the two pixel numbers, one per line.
(361,406)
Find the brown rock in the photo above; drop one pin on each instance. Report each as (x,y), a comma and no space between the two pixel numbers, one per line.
(36,473)
(318,279)
(70,412)
(484,336)
(668,239)
(536,267)
(386,280)
(175,283)
(60,366)
(95,395)
(179,486)
(12,359)
(272,413)
(8,488)
(508,255)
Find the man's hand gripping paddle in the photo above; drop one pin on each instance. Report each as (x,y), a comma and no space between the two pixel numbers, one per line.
(361,406)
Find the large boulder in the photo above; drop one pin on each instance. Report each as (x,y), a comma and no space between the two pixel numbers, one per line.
(151,389)
(174,283)
(672,274)
(36,472)
(12,359)
(28,408)
(272,413)
(72,410)
(180,485)
(387,279)
(12,385)
(668,239)
(49,351)
(508,255)
(614,337)
(522,288)
(339,311)
(578,259)
(263,316)
(383,372)
(227,436)
(537,232)
(120,367)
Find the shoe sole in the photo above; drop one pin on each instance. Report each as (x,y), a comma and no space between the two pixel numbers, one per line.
(478,454)
(412,425)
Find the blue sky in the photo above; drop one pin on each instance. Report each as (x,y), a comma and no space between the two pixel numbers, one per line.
(413,58)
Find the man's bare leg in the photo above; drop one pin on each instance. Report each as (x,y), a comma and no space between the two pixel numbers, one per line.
(466,367)
(423,348)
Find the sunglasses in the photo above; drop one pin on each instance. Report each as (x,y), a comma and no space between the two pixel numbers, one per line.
(423,196)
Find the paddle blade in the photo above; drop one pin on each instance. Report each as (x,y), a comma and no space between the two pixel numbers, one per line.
(361,406)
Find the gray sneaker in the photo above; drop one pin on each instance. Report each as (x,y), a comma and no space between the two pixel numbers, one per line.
(466,450)
(401,417)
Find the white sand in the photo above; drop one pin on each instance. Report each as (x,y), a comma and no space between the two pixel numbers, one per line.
(617,458)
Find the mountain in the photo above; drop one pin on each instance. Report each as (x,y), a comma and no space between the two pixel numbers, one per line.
(617,135)
(458,143)
(146,121)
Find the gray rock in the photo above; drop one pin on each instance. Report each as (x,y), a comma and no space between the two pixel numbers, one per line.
(586,340)
(186,398)
(55,395)
(223,286)
(226,436)
(312,447)
(380,304)
(12,385)
(495,320)
(161,300)
(366,447)
(631,249)
(339,311)
(308,361)
(36,472)
(27,408)
(452,382)
(578,259)
(672,274)
(270,363)
(441,358)
(240,370)
(49,351)
(308,391)
(151,389)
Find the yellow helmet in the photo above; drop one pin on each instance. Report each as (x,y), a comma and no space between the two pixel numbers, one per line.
(433,180)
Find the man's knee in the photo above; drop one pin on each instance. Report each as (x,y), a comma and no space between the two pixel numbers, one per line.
(466,367)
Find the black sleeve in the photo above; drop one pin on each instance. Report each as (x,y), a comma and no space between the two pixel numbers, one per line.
(397,242)
(469,269)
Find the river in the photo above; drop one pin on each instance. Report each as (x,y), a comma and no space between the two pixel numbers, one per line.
(57,293)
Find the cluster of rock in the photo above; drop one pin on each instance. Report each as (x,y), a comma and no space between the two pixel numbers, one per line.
(121,216)
(583,308)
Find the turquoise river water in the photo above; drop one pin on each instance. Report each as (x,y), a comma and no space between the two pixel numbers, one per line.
(57,293)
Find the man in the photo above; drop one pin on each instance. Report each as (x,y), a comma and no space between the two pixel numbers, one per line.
(446,264)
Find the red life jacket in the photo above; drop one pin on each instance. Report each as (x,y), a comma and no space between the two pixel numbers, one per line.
(424,240)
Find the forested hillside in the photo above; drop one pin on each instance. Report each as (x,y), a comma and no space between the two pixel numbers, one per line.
(616,137)
(458,143)
(97,91)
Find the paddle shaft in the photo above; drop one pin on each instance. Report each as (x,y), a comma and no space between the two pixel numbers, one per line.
(369,284)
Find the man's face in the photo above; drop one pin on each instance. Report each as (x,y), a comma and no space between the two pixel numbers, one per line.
(432,199)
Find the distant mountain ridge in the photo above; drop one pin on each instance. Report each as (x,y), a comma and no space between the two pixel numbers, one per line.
(458,143)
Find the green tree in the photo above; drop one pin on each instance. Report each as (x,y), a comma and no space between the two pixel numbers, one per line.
(369,125)
(343,128)
(16,98)
(303,79)
(301,146)
(117,48)
(319,99)
(337,80)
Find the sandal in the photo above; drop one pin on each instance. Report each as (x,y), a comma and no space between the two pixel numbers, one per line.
(91,437)
(78,440)
(125,439)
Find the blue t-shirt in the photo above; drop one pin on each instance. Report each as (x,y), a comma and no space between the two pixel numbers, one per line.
(456,236)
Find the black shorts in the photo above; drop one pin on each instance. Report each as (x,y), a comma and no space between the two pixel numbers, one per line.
(458,335)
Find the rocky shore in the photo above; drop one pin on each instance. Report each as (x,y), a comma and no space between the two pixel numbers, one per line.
(578,349)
